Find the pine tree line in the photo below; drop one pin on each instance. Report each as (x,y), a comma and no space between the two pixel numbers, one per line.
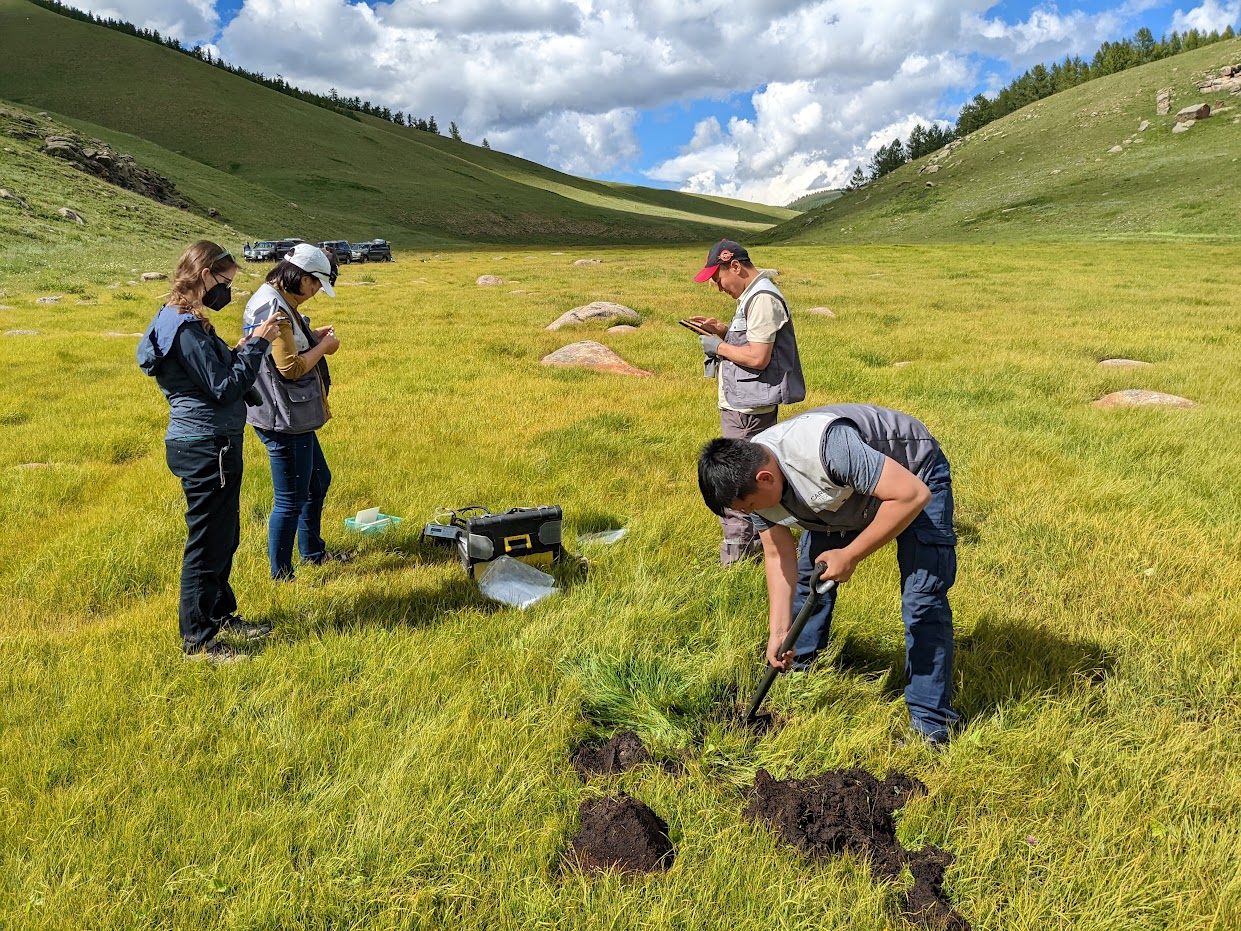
(347,106)
(1039,82)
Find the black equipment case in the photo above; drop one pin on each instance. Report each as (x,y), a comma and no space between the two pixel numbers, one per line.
(529,534)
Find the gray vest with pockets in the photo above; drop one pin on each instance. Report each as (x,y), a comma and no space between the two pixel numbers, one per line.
(781,382)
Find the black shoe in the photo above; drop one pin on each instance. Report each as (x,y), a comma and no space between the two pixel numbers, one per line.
(216,653)
(233,626)
(340,556)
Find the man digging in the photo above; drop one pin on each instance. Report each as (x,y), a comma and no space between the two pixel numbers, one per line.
(854,477)
(756,363)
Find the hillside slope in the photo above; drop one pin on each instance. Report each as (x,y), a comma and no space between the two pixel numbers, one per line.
(272,165)
(1048,172)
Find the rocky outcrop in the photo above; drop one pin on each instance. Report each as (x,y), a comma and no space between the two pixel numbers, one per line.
(591,355)
(596,310)
(1163,102)
(92,157)
(72,215)
(1228,82)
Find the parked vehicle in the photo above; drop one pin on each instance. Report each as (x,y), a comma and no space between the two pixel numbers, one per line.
(339,248)
(377,250)
(263,251)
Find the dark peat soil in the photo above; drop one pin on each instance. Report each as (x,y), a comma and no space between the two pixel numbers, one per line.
(620,832)
(622,752)
(851,811)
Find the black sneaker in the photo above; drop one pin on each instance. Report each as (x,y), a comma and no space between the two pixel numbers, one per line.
(340,556)
(234,626)
(216,653)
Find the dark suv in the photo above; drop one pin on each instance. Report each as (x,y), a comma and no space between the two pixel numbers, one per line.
(272,250)
(339,248)
(376,251)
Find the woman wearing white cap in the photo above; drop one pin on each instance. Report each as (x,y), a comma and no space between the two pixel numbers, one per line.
(294,382)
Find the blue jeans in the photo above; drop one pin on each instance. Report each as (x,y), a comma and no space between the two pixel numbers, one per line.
(927,556)
(300,480)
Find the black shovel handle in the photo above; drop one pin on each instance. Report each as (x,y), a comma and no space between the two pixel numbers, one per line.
(817,591)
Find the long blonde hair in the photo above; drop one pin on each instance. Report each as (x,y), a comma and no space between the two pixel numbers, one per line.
(187,281)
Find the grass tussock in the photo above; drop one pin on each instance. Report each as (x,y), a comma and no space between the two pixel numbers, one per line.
(396,755)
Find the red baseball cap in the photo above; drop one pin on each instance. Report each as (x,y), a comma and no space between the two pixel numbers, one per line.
(722,253)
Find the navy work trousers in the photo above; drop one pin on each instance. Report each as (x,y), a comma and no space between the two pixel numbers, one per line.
(210,473)
(927,556)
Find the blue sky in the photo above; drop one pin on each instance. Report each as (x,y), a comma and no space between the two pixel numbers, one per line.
(763,100)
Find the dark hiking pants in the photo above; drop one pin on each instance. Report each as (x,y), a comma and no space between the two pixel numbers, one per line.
(210,473)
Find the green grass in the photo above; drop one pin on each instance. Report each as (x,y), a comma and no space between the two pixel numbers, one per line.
(1046,173)
(273,166)
(396,755)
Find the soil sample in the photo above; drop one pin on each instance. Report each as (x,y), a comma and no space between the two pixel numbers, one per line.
(620,832)
(622,752)
(851,811)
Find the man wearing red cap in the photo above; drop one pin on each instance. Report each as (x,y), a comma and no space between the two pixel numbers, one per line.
(755,362)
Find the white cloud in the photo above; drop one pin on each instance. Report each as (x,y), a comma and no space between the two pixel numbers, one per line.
(194,22)
(1209,17)
(564,81)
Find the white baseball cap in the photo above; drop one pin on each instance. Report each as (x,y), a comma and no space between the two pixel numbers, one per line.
(314,260)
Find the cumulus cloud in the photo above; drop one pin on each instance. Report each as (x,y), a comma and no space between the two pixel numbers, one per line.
(563,81)
(1209,17)
(192,21)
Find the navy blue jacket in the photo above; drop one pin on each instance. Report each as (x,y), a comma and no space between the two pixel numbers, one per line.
(202,378)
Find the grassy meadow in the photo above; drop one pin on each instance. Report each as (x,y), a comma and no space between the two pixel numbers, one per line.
(396,754)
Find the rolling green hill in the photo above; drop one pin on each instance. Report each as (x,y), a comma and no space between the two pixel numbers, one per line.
(1048,172)
(817,199)
(271,165)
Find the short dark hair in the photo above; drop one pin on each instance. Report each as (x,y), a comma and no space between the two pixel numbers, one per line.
(287,277)
(727,470)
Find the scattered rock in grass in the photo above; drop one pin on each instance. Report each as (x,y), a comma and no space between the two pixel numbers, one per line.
(22,333)
(901,365)
(1144,126)
(154,276)
(1140,397)
(1183,127)
(623,328)
(1163,102)
(1198,111)
(557,253)
(589,262)
(624,751)
(821,311)
(70,214)
(131,283)
(9,195)
(596,310)
(50,299)
(592,355)
(930,184)
(620,832)
(489,280)
(114,285)
(113,333)
(1116,148)
(850,811)
(5,307)
(1124,363)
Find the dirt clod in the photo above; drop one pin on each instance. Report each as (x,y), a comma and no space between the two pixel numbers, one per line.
(620,832)
(851,811)
(622,752)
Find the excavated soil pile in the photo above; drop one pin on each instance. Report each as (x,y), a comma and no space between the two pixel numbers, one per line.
(851,811)
(620,832)
(622,752)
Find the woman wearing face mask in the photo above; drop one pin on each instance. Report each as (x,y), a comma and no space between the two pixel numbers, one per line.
(294,384)
(205,383)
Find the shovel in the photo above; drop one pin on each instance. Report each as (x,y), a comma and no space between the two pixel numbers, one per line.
(817,591)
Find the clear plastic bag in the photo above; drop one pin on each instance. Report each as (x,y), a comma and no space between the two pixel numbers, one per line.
(602,537)
(510,581)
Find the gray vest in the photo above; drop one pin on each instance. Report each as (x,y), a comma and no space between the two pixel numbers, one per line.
(781,382)
(812,499)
